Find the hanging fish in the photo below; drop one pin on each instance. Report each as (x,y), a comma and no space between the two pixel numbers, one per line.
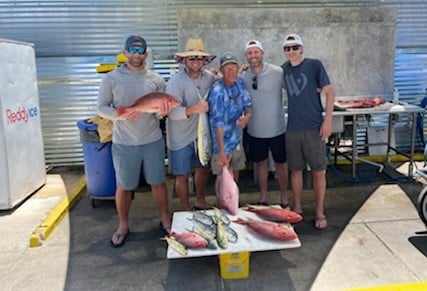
(227,191)
(204,139)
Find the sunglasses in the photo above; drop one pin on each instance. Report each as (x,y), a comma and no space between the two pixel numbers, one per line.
(288,48)
(195,58)
(254,82)
(138,50)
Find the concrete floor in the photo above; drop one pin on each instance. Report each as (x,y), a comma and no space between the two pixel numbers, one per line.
(366,244)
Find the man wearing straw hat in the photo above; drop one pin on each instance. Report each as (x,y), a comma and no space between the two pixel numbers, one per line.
(191,86)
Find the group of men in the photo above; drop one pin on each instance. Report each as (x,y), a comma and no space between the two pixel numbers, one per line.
(234,99)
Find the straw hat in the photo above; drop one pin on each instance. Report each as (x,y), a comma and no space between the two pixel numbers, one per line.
(194,47)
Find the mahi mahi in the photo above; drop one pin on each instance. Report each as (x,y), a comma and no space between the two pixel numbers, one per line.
(204,140)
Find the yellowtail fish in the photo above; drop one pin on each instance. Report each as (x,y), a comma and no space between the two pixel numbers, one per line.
(176,245)
(149,103)
(204,139)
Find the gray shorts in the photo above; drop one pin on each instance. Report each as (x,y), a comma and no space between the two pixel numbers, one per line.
(129,160)
(305,148)
(237,163)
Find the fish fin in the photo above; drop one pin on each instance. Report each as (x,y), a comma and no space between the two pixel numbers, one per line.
(121,111)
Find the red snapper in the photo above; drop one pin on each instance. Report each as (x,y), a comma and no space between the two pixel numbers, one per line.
(227,191)
(149,103)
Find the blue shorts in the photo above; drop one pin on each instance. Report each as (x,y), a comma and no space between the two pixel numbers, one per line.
(128,161)
(182,161)
(258,148)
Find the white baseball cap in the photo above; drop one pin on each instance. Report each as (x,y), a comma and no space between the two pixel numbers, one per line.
(253,43)
(292,39)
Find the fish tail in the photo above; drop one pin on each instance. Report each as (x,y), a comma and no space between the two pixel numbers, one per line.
(239,221)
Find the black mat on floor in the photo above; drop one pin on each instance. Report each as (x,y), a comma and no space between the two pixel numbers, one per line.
(420,242)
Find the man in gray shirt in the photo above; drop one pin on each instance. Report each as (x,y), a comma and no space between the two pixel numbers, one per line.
(137,138)
(266,128)
(190,86)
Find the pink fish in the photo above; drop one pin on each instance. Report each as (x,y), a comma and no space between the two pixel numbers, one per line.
(227,191)
(276,214)
(190,239)
(269,229)
(149,103)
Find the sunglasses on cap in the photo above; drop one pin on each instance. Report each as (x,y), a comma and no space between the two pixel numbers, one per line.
(133,49)
(254,82)
(195,58)
(293,47)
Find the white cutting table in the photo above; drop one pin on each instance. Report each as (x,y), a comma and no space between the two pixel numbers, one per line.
(248,241)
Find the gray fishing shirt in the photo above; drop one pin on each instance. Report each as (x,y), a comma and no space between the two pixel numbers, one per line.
(268,114)
(181,130)
(120,88)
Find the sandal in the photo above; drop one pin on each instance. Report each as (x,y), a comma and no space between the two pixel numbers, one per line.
(120,237)
(166,230)
(321,223)
(285,206)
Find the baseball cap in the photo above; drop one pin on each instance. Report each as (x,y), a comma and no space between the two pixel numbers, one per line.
(254,43)
(130,41)
(292,39)
(227,58)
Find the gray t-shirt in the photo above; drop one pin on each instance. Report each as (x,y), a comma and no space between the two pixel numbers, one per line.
(268,114)
(121,88)
(181,130)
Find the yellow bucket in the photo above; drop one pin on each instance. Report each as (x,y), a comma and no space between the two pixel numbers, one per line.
(234,265)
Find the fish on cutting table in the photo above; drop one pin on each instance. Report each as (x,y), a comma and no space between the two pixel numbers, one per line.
(275,214)
(221,235)
(227,191)
(269,229)
(149,103)
(190,240)
(362,102)
(176,245)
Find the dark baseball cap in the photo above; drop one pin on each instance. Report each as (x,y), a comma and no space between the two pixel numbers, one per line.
(137,41)
(227,58)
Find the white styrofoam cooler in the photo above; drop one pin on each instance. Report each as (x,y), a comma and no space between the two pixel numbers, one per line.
(22,162)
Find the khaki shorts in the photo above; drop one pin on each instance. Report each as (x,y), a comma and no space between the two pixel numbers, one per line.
(237,163)
(305,148)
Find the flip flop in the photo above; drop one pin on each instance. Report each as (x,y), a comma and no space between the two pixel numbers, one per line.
(198,208)
(321,223)
(166,230)
(285,206)
(121,238)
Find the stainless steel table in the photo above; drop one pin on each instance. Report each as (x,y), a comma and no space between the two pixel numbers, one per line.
(387,108)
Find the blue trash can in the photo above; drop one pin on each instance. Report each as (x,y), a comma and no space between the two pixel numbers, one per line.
(98,162)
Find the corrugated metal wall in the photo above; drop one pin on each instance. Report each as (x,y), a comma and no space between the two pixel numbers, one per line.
(73,37)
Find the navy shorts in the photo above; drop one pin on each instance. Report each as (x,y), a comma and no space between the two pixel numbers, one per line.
(258,148)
